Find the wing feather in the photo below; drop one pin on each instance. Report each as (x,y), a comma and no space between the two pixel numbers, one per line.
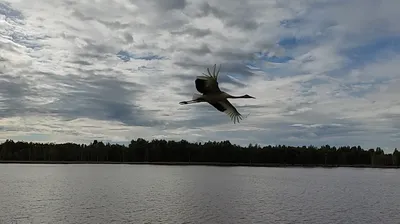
(226,107)
(208,83)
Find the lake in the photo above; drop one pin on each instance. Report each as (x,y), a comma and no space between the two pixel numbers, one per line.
(117,193)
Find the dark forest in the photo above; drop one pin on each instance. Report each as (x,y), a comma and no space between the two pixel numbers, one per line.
(163,151)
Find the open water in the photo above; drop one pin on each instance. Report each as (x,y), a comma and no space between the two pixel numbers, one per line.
(113,193)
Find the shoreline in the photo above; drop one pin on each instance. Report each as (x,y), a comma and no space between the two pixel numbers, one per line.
(201,164)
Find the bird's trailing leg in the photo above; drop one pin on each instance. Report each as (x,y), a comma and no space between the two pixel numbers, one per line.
(197,98)
(189,102)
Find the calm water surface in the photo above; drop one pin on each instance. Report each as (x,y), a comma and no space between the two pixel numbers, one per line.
(196,194)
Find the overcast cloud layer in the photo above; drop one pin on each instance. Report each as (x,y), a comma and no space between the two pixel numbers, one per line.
(323,72)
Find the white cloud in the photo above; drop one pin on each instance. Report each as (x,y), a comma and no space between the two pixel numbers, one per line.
(61,77)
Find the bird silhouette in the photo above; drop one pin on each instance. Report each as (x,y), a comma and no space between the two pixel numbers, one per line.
(211,93)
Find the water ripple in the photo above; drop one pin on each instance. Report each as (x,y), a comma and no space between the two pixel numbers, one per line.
(195,194)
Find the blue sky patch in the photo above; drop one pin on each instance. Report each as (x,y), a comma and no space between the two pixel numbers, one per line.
(372,50)
(263,56)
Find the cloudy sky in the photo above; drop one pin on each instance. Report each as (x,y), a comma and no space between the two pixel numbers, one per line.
(323,71)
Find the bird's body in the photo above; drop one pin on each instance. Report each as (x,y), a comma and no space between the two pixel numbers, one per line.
(208,86)
(213,97)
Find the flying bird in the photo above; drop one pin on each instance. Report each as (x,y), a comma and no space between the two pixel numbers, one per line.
(208,86)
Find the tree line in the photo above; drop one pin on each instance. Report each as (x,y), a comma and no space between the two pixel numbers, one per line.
(156,150)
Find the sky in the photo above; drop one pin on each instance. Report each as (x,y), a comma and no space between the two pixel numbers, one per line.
(323,72)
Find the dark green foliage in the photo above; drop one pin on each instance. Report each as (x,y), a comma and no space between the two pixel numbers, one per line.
(141,150)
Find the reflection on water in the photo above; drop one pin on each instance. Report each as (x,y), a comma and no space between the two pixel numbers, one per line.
(109,193)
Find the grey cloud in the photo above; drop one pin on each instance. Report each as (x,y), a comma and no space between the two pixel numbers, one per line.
(351,27)
(207,9)
(195,32)
(82,62)
(295,107)
(202,50)
(128,37)
(171,4)
(143,45)
(80,15)
(238,18)
(232,67)
(327,130)
(175,23)
(9,12)
(187,62)
(392,116)
(156,9)
(394,120)
(12,95)
(103,98)
(234,54)
(98,49)
(185,92)
(9,48)
(243,23)
(249,107)
(90,49)
(113,25)
(26,40)
(170,24)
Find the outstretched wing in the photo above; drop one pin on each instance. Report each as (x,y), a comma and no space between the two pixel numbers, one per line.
(208,82)
(226,107)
